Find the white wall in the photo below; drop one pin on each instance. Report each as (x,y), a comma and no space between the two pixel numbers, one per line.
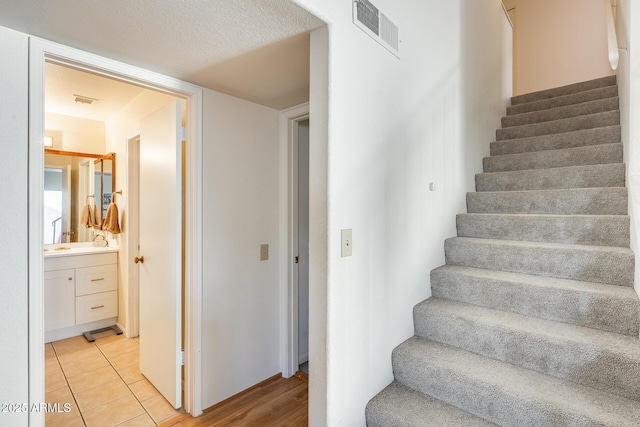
(558,42)
(75,133)
(393,127)
(629,93)
(117,129)
(14,335)
(240,343)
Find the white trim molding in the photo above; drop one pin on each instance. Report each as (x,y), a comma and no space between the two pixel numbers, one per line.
(288,248)
(41,51)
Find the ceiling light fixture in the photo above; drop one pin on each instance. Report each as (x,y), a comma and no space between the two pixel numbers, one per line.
(84,99)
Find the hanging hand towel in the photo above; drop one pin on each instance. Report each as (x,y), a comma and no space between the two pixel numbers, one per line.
(97,217)
(111,220)
(88,218)
(84,218)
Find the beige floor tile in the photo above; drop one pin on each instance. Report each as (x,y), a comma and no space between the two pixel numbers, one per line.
(62,395)
(52,366)
(76,355)
(124,360)
(120,347)
(64,419)
(48,351)
(143,390)
(131,374)
(92,379)
(66,414)
(143,420)
(54,381)
(71,344)
(108,338)
(114,412)
(82,366)
(158,408)
(101,394)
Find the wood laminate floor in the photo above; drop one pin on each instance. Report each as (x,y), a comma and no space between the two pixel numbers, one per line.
(278,401)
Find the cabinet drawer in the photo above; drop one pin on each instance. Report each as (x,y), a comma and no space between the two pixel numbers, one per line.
(96,307)
(91,280)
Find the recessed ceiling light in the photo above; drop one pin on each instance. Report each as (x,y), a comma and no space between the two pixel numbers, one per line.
(84,99)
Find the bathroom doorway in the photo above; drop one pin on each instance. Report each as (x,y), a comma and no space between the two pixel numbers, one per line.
(48,54)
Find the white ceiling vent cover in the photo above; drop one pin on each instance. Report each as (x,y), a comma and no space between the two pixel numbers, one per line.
(373,22)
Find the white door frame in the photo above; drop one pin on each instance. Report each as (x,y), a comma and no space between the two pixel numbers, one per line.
(39,52)
(289,120)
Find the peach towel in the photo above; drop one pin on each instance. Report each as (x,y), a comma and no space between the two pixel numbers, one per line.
(111,220)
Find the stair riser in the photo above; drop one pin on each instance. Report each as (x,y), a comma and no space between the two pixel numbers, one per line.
(610,118)
(588,201)
(576,98)
(585,230)
(564,90)
(588,309)
(591,176)
(566,359)
(398,405)
(579,138)
(574,262)
(581,156)
(418,371)
(591,107)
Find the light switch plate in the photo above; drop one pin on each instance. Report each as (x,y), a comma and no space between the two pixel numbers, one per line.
(346,242)
(264,252)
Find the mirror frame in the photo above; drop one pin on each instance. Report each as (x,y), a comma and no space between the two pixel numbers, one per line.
(96,158)
(108,156)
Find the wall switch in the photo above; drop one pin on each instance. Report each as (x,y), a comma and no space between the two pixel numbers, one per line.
(264,252)
(346,243)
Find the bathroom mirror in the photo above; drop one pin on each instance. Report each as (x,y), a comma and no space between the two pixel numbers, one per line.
(71,182)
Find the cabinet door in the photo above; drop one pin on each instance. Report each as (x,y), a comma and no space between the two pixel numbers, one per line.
(59,299)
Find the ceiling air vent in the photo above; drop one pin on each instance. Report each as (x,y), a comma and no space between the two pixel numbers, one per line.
(373,22)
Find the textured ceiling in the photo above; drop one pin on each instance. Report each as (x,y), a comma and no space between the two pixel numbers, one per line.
(254,49)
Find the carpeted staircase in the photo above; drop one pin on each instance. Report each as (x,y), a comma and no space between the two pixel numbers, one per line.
(534,320)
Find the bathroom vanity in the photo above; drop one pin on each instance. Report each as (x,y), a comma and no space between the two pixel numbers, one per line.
(80,289)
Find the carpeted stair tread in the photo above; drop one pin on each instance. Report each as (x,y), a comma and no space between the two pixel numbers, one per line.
(578,156)
(399,405)
(503,393)
(603,360)
(588,176)
(557,141)
(560,101)
(570,201)
(598,230)
(563,112)
(564,90)
(600,264)
(589,121)
(594,305)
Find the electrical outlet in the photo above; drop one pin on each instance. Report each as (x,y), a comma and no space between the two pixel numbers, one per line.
(346,243)
(264,252)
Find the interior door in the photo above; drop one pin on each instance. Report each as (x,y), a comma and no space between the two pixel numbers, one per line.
(160,272)
(65,223)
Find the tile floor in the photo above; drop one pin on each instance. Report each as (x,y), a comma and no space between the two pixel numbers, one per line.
(102,383)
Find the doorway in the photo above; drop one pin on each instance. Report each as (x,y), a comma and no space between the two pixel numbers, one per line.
(41,53)
(295,137)
(303,245)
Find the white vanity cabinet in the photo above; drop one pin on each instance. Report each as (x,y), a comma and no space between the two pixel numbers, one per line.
(81,293)
(59,299)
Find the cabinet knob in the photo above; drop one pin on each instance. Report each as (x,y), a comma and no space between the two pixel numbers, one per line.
(139,260)
(69,278)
